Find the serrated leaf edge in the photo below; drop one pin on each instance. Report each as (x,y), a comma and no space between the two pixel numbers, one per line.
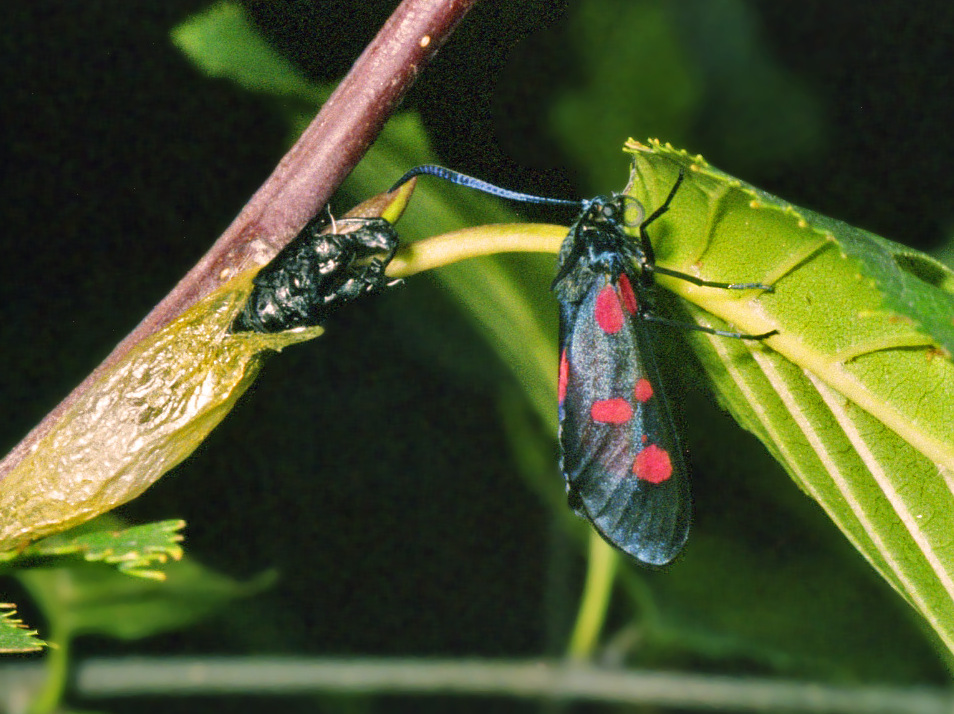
(8,616)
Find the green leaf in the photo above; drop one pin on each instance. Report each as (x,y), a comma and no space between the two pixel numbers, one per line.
(80,580)
(855,392)
(134,550)
(91,598)
(14,637)
(223,43)
(677,69)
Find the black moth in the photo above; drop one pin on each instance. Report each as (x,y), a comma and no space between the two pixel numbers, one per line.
(621,456)
(318,273)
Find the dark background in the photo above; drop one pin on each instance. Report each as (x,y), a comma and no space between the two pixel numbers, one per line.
(122,163)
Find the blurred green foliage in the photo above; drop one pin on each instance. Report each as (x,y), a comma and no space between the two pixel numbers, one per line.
(381,556)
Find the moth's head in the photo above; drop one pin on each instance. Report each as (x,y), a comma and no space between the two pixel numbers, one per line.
(617,211)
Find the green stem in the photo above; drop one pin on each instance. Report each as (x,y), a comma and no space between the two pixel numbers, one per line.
(601,569)
(57,671)
(473,242)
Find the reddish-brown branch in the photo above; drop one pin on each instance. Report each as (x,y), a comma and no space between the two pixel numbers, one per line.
(305,178)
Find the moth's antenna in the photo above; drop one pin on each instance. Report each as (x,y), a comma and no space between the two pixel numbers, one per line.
(471,182)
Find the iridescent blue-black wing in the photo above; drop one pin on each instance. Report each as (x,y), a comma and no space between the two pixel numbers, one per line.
(622,461)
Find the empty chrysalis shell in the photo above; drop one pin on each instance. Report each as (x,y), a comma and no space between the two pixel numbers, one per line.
(151,409)
(141,418)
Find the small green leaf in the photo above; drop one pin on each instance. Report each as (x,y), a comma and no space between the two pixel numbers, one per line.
(854,395)
(89,598)
(14,637)
(223,43)
(134,550)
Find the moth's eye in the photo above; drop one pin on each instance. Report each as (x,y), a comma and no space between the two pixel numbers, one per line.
(633,213)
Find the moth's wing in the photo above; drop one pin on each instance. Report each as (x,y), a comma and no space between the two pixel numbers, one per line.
(622,461)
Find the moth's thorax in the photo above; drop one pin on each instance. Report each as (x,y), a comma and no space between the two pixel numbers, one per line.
(597,245)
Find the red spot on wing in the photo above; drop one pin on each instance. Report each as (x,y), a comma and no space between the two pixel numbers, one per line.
(652,464)
(564,377)
(627,295)
(608,311)
(611,411)
(643,391)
